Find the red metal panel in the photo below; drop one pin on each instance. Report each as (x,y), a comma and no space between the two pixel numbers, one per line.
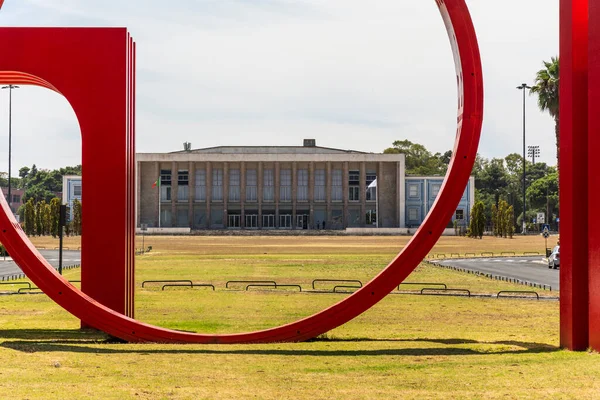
(573,175)
(86,65)
(594,173)
(470,83)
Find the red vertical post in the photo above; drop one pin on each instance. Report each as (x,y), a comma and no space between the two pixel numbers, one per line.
(574,174)
(594,172)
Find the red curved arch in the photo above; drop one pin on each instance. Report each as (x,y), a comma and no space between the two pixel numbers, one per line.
(470,82)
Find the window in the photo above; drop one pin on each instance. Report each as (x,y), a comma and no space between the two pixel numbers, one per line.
(320,185)
(200,185)
(354,178)
(251,221)
(285,221)
(77,190)
(183,193)
(413,214)
(182,218)
(336,185)
(268,221)
(268,185)
(302,194)
(234,221)
(183,177)
(302,221)
(165,193)
(413,191)
(371,191)
(251,185)
(460,214)
(17,198)
(372,217)
(217,184)
(354,186)
(165,217)
(285,187)
(234,185)
(165,177)
(435,189)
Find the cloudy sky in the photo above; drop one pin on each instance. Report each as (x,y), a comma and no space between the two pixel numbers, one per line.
(351,74)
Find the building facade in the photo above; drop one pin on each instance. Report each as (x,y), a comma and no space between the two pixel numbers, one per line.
(17,197)
(280,187)
(71,190)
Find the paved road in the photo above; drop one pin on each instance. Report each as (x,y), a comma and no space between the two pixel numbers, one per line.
(532,269)
(9,268)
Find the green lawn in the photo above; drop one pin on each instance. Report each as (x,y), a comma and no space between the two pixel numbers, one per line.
(408,346)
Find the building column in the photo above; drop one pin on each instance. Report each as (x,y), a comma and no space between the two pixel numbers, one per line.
(345,177)
(311,194)
(208,193)
(259,195)
(191,191)
(138,194)
(363,193)
(294,192)
(174,188)
(277,185)
(328,194)
(401,184)
(225,194)
(243,195)
(157,207)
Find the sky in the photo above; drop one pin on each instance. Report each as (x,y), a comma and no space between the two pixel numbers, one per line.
(351,74)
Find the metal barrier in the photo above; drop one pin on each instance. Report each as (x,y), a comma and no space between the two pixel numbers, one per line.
(440,255)
(423,284)
(467,291)
(470,254)
(454,254)
(17,283)
(168,281)
(275,286)
(344,287)
(337,280)
(512,253)
(485,253)
(531,253)
(192,285)
(517,291)
(251,282)
(23,290)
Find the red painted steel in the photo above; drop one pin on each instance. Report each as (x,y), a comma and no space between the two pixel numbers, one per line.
(574,175)
(86,65)
(594,174)
(470,84)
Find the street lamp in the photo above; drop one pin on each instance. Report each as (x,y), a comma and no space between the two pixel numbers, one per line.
(533,152)
(524,88)
(10,89)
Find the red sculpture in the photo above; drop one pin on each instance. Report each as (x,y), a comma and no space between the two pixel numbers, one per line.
(93,68)
(579,174)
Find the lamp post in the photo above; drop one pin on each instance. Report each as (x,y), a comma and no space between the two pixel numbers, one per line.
(524,88)
(533,152)
(10,89)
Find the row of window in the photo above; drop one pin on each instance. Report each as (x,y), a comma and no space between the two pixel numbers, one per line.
(285,185)
(414,192)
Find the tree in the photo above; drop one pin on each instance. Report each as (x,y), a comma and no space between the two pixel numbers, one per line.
(29,218)
(76,217)
(546,88)
(510,217)
(419,161)
(477,222)
(54,216)
(39,218)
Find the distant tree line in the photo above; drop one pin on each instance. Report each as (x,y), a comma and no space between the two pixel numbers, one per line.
(42,219)
(498,186)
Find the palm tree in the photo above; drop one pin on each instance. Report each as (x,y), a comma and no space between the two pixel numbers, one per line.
(546,87)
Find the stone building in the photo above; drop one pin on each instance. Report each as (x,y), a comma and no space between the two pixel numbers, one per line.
(273,187)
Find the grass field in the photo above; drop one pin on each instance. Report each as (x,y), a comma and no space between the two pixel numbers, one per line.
(408,346)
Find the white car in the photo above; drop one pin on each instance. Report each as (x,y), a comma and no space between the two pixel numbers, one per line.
(554,259)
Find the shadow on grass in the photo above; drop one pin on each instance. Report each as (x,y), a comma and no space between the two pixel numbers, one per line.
(75,341)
